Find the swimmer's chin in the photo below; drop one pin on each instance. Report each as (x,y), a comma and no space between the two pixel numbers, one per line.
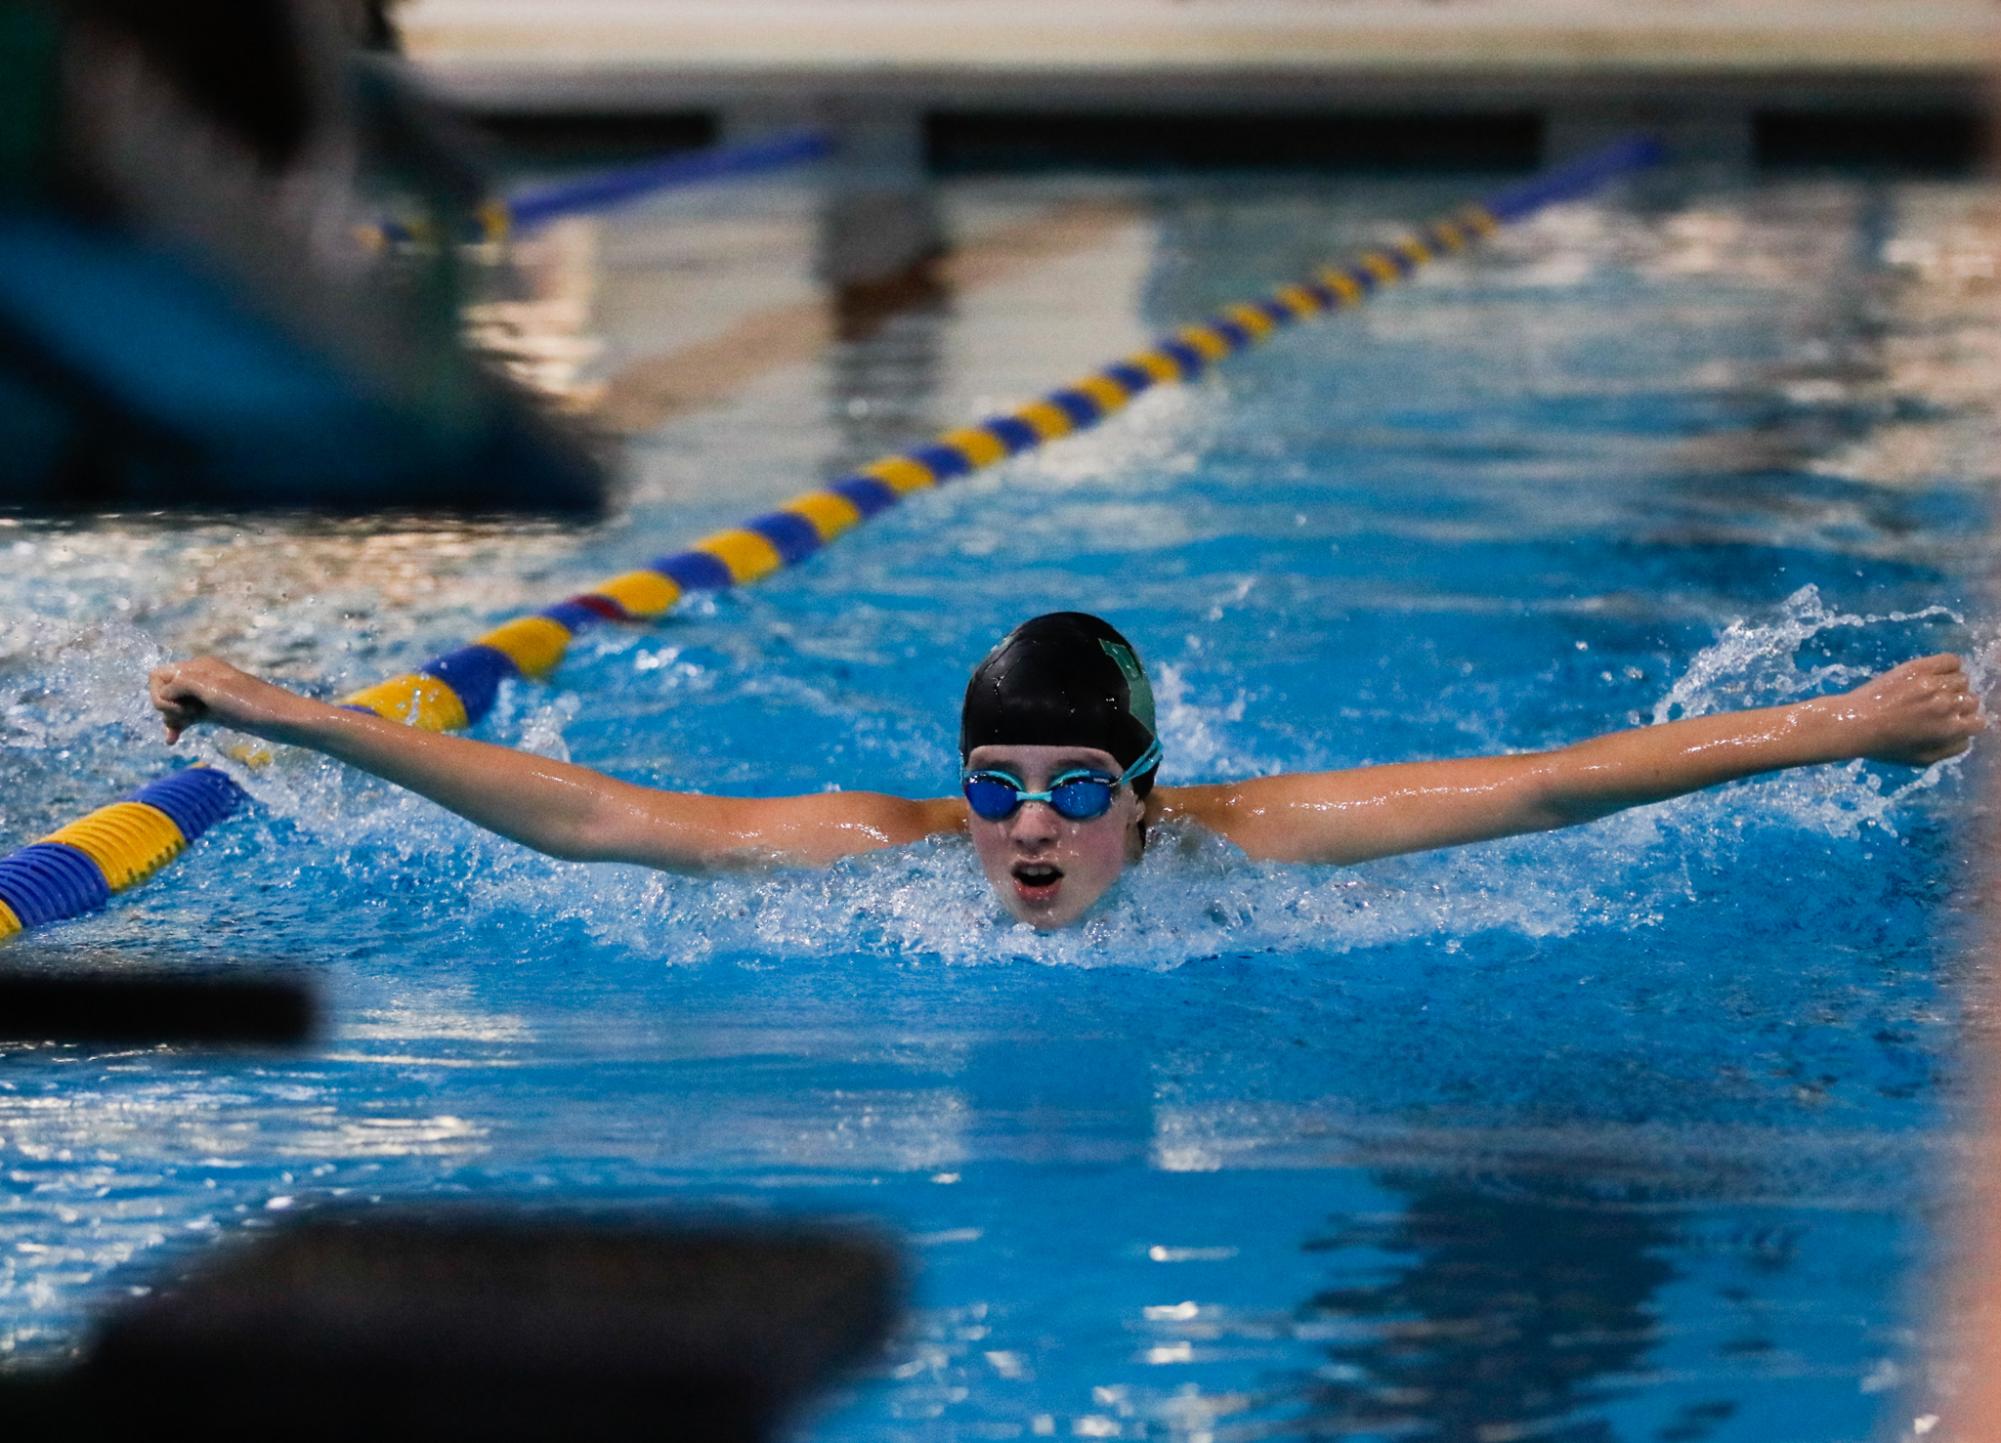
(1044,916)
(1049,924)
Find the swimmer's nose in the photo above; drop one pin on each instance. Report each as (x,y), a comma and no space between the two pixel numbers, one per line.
(1036,822)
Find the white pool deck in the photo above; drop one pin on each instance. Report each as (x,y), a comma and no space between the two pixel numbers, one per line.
(617,54)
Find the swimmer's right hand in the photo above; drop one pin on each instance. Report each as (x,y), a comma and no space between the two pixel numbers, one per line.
(208,690)
(1919,713)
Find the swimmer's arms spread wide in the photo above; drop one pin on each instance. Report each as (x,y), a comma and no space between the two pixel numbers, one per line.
(555,807)
(1916,714)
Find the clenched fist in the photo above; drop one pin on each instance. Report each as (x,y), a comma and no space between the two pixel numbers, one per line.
(210,690)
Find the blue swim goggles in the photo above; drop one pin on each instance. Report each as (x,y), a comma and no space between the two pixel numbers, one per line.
(1081,795)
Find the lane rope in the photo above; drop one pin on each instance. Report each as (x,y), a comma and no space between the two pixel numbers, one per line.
(77,868)
(529,208)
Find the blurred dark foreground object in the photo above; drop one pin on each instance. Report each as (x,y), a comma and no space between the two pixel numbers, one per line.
(232,1007)
(190,314)
(464,1325)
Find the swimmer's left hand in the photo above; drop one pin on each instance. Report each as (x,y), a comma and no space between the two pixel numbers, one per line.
(1919,713)
(208,689)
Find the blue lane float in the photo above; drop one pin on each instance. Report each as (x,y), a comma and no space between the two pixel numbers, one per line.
(529,208)
(538,205)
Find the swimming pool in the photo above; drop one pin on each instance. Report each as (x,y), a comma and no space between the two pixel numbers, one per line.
(1639,1131)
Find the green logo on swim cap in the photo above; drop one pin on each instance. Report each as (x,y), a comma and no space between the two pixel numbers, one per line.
(1139,694)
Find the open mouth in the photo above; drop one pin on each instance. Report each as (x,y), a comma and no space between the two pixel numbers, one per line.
(1036,881)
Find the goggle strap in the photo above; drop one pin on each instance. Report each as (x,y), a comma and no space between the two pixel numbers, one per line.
(1146,762)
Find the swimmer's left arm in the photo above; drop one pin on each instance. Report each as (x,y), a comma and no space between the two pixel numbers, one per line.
(1916,714)
(683,832)
(554,806)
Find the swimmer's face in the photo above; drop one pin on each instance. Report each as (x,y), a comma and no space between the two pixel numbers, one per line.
(1047,869)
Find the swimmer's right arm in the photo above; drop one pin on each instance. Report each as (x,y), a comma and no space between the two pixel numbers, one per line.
(1913,715)
(555,807)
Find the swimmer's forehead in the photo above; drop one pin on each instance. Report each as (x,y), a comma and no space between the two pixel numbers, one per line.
(1055,758)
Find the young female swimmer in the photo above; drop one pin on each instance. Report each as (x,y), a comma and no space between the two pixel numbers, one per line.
(1058,741)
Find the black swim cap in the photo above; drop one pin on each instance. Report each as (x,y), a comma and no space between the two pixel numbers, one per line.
(1067,679)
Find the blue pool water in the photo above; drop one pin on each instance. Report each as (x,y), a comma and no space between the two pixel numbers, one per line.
(1644,1131)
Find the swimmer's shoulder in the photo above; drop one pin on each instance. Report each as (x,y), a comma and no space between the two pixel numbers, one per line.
(1207,806)
(819,828)
(897,821)
(1257,815)
(937,816)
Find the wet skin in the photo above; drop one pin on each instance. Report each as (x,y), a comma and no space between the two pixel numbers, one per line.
(1046,869)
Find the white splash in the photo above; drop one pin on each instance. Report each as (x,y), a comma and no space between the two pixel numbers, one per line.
(1757,663)
(102,666)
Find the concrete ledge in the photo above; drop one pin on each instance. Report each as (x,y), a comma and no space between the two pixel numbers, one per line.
(618,53)
(1703,73)
(526,90)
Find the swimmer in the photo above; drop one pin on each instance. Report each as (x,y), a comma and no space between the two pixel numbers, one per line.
(1060,752)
